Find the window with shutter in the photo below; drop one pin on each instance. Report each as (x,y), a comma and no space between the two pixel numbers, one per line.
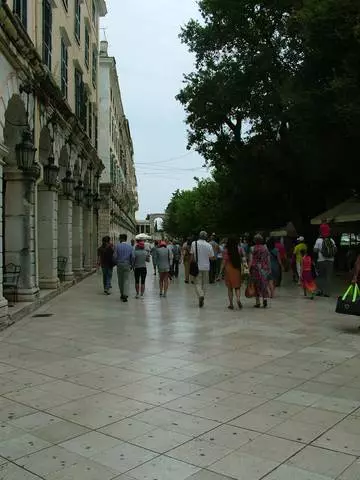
(90,120)
(78,92)
(20,9)
(77,20)
(87,46)
(64,68)
(94,65)
(47,33)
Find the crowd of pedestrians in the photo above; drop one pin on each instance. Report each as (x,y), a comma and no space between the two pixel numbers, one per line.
(257,262)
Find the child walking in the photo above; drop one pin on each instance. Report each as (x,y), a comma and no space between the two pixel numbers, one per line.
(308,274)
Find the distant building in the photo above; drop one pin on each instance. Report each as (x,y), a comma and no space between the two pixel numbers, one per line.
(118,189)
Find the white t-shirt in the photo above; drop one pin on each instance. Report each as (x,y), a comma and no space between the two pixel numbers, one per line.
(205,252)
(318,247)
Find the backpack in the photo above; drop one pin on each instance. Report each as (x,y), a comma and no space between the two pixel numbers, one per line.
(328,249)
(176,252)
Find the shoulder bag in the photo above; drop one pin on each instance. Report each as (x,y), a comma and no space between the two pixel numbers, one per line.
(194,267)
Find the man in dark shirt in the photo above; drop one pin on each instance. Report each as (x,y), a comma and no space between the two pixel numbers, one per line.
(106,262)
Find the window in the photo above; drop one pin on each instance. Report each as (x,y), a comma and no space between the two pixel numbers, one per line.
(94,65)
(64,68)
(94,12)
(77,20)
(78,92)
(20,9)
(47,33)
(90,120)
(87,46)
(96,131)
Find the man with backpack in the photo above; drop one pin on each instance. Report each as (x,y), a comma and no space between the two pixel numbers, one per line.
(176,250)
(325,249)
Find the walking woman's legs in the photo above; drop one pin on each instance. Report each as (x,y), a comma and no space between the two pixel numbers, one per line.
(231,298)
(238,297)
(137,279)
(143,280)
(166,283)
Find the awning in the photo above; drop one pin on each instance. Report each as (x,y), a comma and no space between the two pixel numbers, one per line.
(348,211)
(288,231)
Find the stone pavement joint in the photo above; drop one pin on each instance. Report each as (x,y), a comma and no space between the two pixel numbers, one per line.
(159,389)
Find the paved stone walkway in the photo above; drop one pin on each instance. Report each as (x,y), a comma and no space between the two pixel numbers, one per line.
(157,389)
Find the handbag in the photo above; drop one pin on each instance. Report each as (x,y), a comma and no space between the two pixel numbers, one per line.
(250,291)
(194,267)
(349,303)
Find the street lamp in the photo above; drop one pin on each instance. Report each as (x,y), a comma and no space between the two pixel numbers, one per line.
(97,201)
(89,198)
(51,172)
(79,192)
(25,151)
(68,184)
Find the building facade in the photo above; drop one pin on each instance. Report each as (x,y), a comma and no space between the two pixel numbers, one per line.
(49,167)
(118,188)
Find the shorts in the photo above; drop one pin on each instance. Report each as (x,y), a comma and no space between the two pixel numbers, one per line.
(140,273)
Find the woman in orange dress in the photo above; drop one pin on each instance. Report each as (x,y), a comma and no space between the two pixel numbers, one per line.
(307,274)
(233,257)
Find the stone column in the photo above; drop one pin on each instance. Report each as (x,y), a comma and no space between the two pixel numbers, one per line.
(77,239)
(20,246)
(47,224)
(95,242)
(3,301)
(65,234)
(88,233)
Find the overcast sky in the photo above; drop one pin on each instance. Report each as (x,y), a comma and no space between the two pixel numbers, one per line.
(143,37)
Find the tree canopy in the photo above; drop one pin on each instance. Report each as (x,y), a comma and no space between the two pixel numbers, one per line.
(273,106)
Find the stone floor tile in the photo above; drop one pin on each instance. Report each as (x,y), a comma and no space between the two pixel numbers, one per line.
(286,472)
(160,440)
(242,466)
(107,378)
(297,431)
(127,429)
(36,398)
(334,404)
(299,397)
(90,444)
(9,410)
(220,413)
(340,441)
(199,452)
(352,473)
(66,368)
(316,416)
(321,461)
(10,471)
(83,470)
(49,428)
(271,448)
(207,475)
(164,468)
(229,436)
(123,457)
(20,446)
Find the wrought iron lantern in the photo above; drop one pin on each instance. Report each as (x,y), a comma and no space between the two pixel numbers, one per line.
(79,192)
(25,151)
(68,184)
(97,201)
(51,172)
(89,198)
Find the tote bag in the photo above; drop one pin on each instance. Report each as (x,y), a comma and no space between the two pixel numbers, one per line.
(194,267)
(349,303)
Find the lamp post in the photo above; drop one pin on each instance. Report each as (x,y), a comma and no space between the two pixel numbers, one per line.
(79,192)
(51,172)
(68,184)
(25,151)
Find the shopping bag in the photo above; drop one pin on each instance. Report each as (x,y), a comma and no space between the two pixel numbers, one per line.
(349,303)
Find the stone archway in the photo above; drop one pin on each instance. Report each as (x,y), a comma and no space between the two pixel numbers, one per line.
(156,219)
(19,204)
(47,221)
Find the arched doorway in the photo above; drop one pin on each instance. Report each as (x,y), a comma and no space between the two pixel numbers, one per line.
(19,205)
(47,222)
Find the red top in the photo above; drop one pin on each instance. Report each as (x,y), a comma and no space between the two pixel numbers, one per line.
(307,263)
(282,250)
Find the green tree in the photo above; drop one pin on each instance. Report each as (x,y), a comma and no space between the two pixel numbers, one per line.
(273,105)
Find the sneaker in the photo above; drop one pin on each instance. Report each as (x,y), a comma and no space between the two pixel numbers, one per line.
(265,304)
(161,294)
(164,295)
(125,299)
(137,296)
(201,302)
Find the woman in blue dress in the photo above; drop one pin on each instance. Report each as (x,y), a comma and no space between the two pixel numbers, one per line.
(275,264)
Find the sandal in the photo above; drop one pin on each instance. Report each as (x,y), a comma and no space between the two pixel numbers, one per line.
(240,305)
(231,307)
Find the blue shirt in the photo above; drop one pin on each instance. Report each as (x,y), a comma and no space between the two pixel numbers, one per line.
(124,253)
